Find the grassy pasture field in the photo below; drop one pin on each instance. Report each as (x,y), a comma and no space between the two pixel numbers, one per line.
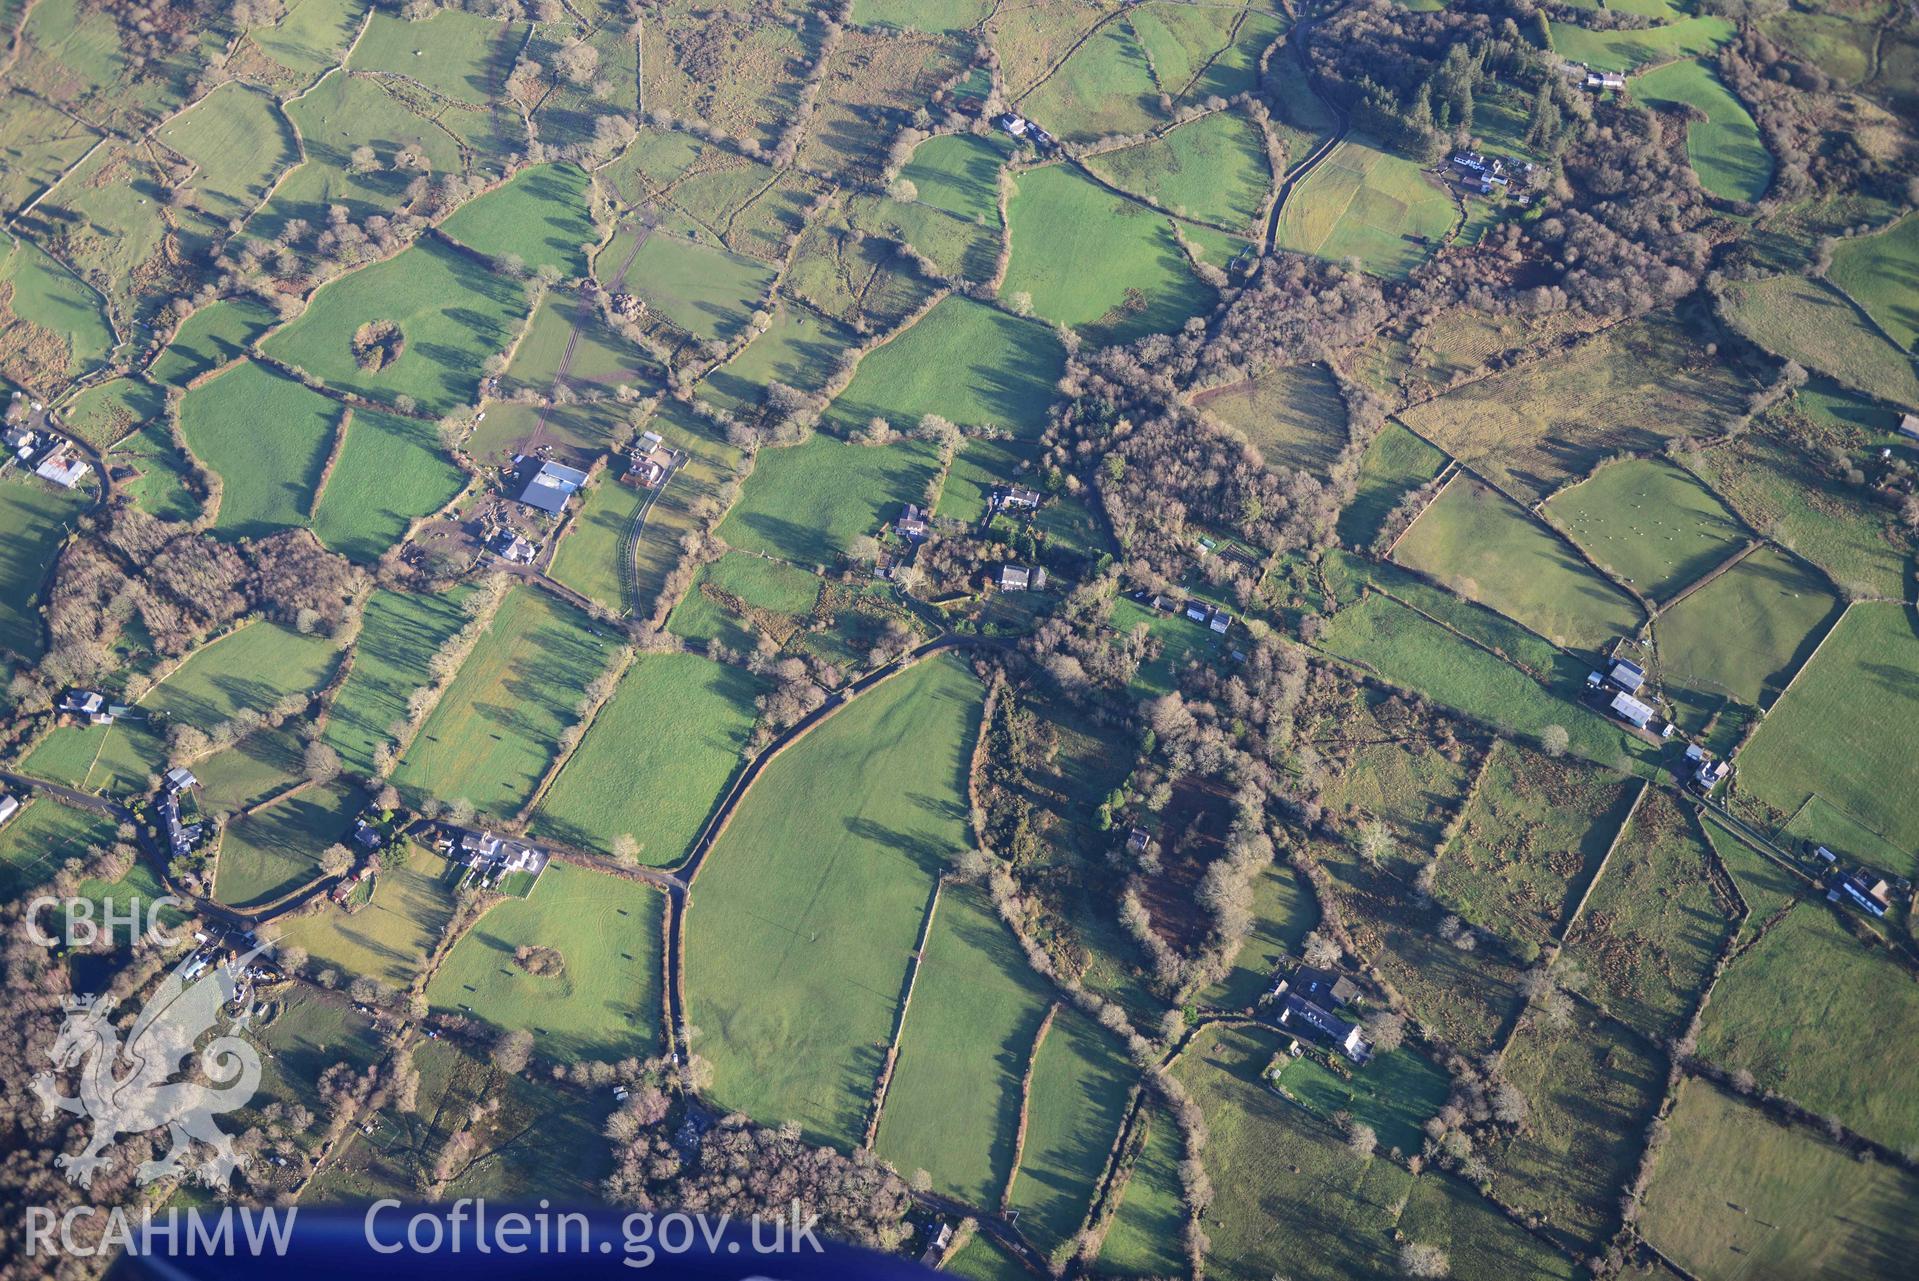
(258,766)
(711,463)
(1078,1096)
(400,632)
(251,668)
(1105,86)
(1747,631)
(656,759)
(1881,273)
(1651,523)
(1725,149)
(1388,768)
(922,15)
(107,412)
(239,143)
(1815,324)
(1283,910)
(37,143)
(1294,416)
(972,364)
(493,734)
(452,310)
(1840,732)
(390,472)
(1530,844)
(51,325)
(1213,170)
(1412,651)
(1396,463)
(1625,50)
(311,35)
(305,1034)
(952,1107)
(1143,1239)
(806,911)
(764,55)
(1292,1199)
(606,1001)
(1369,204)
(869,85)
(705,290)
(1489,549)
(34,518)
(1059,221)
(43,835)
(1591,1089)
(806,503)
(268,478)
(1201,50)
(1791,1011)
(737,598)
(461,55)
(1396,1094)
(800,348)
(958,248)
(212,336)
(1649,934)
(1633,388)
(159,470)
(391,937)
(588,559)
(959,174)
(980,467)
(1736,1195)
(1839,46)
(1767,476)
(540,217)
(277,850)
(1180,638)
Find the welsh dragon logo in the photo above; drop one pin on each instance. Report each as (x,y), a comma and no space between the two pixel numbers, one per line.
(129,1089)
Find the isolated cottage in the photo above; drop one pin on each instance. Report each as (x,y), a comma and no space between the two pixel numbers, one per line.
(1299,1013)
(912,523)
(1018,578)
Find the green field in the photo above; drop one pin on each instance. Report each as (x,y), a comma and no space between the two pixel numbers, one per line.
(605,1002)
(1840,732)
(1396,1094)
(52,325)
(277,850)
(453,312)
(267,477)
(737,598)
(807,503)
(1748,630)
(34,518)
(1367,204)
(212,336)
(1145,1235)
(1590,1088)
(800,348)
(971,364)
(493,734)
(1106,86)
(809,905)
(1201,50)
(952,1107)
(705,290)
(1079,1091)
(1881,272)
(1651,524)
(1740,1197)
(1530,844)
(311,35)
(1815,324)
(252,668)
(469,54)
(959,173)
(1624,50)
(1652,929)
(1822,1020)
(1292,1200)
(656,759)
(588,559)
(239,143)
(540,218)
(1488,549)
(980,467)
(390,938)
(1293,415)
(1725,150)
(1396,463)
(390,473)
(1059,221)
(401,632)
(1212,170)
(42,836)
